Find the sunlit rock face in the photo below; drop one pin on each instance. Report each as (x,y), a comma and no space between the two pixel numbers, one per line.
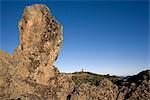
(40,44)
(31,75)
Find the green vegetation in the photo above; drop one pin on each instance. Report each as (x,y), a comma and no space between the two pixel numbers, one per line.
(93,79)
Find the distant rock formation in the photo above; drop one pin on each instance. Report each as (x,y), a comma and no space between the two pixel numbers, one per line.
(30,74)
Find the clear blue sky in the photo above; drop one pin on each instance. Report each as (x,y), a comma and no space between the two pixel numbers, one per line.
(100,36)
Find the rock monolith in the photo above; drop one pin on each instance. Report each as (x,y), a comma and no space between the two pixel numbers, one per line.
(40,43)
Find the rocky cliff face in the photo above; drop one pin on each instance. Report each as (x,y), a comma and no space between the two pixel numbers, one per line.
(31,74)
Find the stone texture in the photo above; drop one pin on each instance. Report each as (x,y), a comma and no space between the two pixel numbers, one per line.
(40,44)
(136,87)
(4,78)
(106,90)
(64,86)
(31,75)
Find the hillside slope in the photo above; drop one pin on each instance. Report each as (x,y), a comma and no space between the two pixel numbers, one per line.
(91,78)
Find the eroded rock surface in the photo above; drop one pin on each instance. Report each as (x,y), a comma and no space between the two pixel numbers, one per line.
(40,44)
(135,87)
(31,75)
(106,90)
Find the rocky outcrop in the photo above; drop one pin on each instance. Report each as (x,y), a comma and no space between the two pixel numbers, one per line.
(135,87)
(4,77)
(40,44)
(106,90)
(31,75)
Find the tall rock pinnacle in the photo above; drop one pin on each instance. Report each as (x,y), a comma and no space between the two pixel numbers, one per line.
(31,75)
(40,44)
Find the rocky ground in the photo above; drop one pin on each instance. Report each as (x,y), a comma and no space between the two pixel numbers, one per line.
(29,74)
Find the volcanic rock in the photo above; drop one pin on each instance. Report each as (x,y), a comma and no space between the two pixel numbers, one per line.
(40,44)
(105,91)
(31,75)
(136,87)
(4,78)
